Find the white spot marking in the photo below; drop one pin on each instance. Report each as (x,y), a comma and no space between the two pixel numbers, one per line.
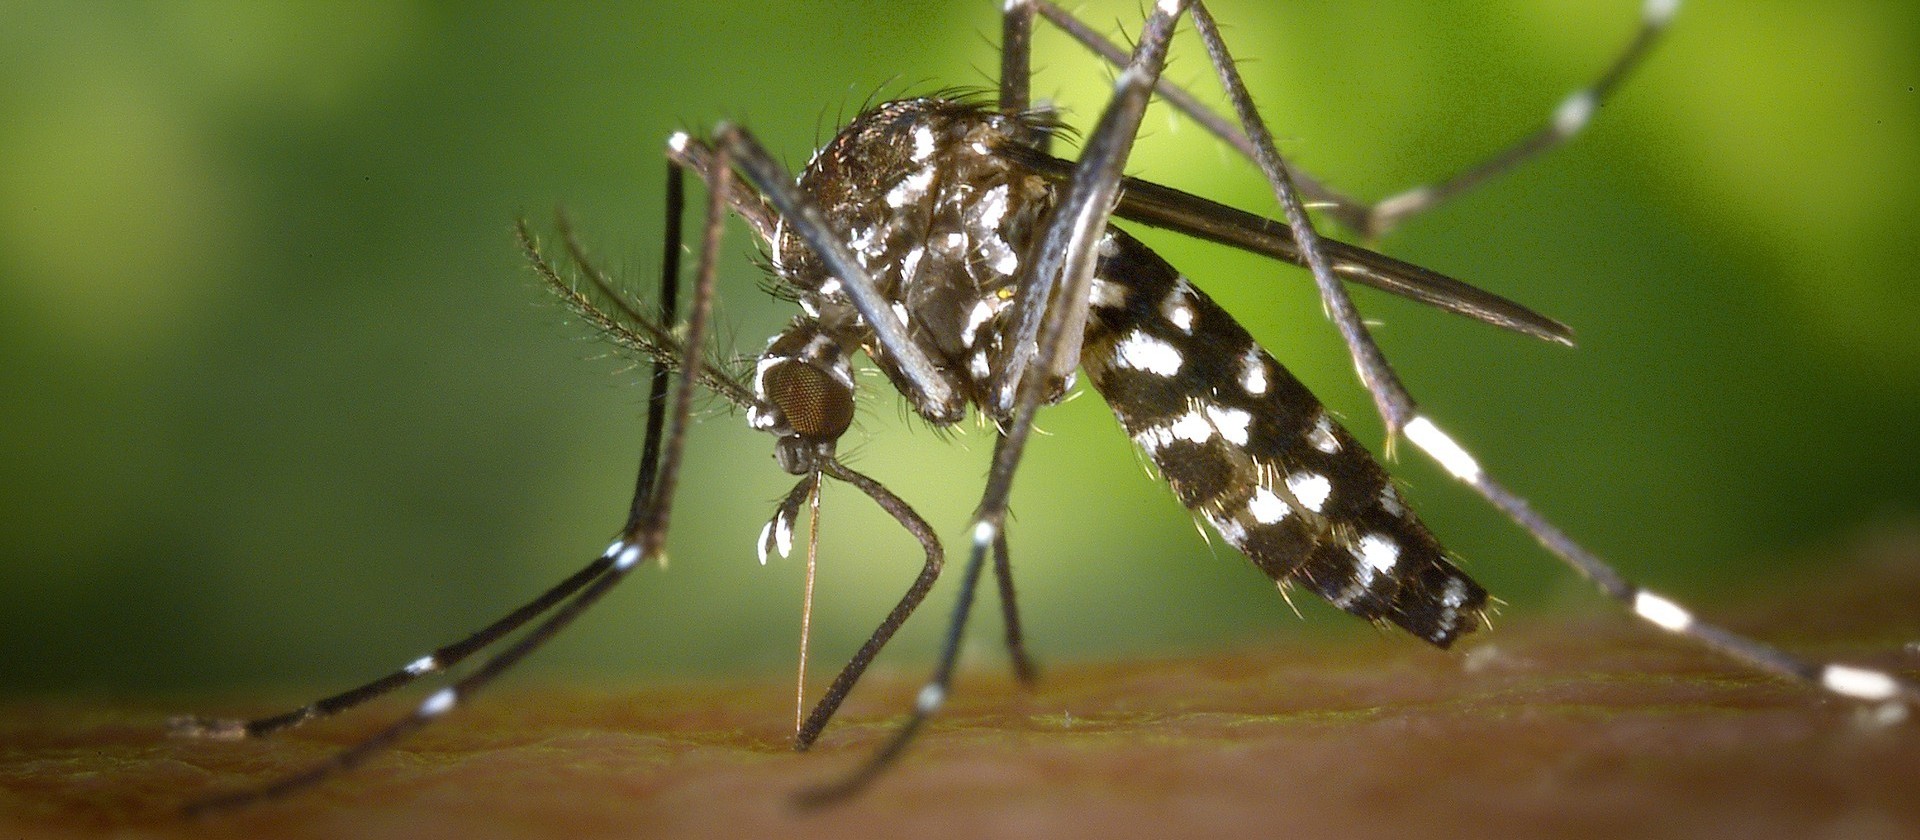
(1108,294)
(783,534)
(1408,201)
(862,241)
(766,541)
(614,548)
(956,241)
(677,141)
(978,365)
(1436,443)
(1231,422)
(1666,614)
(1140,351)
(1008,263)
(1153,438)
(911,188)
(1321,437)
(931,696)
(1311,488)
(922,143)
(910,264)
(760,369)
(1170,7)
(900,311)
(1378,552)
(424,665)
(1266,507)
(761,417)
(438,703)
(1177,310)
(1192,426)
(628,556)
(1108,245)
(1452,597)
(974,319)
(842,372)
(993,206)
(1253,372)
(1573,114)
(983,533)
(1859,682)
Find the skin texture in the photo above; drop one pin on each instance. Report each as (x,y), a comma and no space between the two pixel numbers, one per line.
(1589,725)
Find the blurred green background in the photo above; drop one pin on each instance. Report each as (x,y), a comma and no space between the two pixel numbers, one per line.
(285,407)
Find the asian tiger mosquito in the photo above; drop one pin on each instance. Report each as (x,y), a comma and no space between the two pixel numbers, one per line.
(939,236)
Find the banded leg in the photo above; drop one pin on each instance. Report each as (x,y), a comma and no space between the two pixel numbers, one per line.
(1400,414)
(1372,221)
(1850,681)
(441,659)
(643,537)
(448,656)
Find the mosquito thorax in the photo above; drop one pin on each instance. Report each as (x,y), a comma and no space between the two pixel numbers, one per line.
(939,220)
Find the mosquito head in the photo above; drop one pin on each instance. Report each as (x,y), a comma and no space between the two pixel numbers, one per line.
(803,393)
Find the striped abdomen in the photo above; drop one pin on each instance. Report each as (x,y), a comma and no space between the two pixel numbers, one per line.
(1249,448)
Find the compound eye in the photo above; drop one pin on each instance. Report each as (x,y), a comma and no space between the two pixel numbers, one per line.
(817,406)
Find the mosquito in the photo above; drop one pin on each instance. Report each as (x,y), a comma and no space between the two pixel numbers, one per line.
(941,238)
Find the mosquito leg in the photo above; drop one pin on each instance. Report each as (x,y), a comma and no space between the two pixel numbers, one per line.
(1372,221)
(1010,611)
(1340,205)
(231,729)
(749,205)
(1389,396)
(1016,56)
(931,697)
(1175,95)
(1569,117)
(450,655)
(917,592)
(1063,255)
(669,309)
(1853,682)
(1397,409)
(1164,207)
(642,538)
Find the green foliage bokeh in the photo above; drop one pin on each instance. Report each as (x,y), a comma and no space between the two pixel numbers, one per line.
(284,405)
